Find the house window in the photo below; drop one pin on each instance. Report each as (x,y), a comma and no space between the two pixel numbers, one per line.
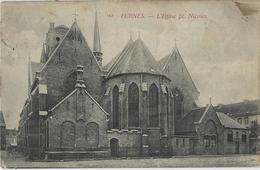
(206,141)
(243,136)
(133,105)
(115,116)
(210,141)
(239,120)
(246,121)
(177,142)
(230,136)
(213,141)
(183,142)
(153,106)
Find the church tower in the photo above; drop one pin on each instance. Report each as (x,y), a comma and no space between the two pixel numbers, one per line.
(96,44)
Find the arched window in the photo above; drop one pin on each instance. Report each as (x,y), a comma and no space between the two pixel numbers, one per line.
(133,105)
(178,104)
(115,116)
(67,134)
(92,135)
(243,137)
(153,106)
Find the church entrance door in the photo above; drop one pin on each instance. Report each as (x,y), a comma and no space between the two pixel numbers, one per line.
(114,147)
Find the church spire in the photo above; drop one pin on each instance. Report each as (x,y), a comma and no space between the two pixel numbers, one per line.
(96,44)
(43,55)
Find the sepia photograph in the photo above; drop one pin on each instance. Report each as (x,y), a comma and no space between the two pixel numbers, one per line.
(130,84)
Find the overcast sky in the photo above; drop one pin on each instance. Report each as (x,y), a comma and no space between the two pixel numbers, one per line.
(220,50)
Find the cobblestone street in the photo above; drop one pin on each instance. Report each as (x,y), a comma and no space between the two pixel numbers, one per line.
(186,161)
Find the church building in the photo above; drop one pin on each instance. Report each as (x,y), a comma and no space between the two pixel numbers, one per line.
(132,106)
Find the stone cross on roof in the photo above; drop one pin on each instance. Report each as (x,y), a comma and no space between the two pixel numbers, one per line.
(75,15)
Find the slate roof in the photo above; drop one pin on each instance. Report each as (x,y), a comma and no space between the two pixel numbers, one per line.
(114,60)
(187,123)
(228,122)
(241,109)
(162,63)
(135,59)
(2,120)
(195,115)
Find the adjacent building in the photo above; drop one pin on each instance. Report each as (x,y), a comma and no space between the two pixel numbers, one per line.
(246,113)
(133,106)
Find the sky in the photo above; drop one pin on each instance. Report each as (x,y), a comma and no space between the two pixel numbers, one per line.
(220,47)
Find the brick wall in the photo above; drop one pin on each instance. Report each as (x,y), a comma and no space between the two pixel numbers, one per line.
(66,112)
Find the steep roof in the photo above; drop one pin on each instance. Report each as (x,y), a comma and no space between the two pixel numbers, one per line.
(241,109)
(2,120)
(108,66)
(74,33)
(135,59)
(228,122)
(187,123)
(175,54)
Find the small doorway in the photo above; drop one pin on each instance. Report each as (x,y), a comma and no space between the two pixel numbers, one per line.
(114,147)
(237,147)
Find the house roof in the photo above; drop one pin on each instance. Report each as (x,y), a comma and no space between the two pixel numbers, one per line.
(135,59)
(228,122)
(2,120)
(187,123)
(244,108)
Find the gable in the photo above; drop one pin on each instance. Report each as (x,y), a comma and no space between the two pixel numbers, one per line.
(72,50)
(79,105)
(174,66)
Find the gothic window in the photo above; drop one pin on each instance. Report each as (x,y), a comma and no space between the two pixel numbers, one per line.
(178,104)
(167,107)
(92,135)
(153,106)
(243,137)
(133,105)
(230,136)
(115,116)
(67,134)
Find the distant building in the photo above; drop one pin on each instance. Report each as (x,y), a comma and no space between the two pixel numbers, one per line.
(11,137)
(133,106)
(2,131)
(246,113)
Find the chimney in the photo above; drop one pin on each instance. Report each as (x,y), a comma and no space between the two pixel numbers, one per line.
(51,25)
(80,81)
